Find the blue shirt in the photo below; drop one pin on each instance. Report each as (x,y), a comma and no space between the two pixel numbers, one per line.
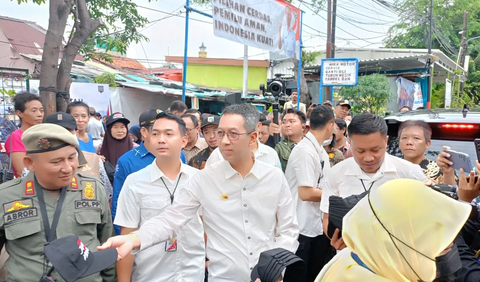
(87,146)
(130,162)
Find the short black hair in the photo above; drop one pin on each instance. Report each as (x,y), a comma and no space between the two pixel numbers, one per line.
(181,124)
(341,124)
(320,116)
(421,108)
(427,130)
(366,124)
(77,104)
(98,114)
(178,106)
(192,117)
(266,122)
(301,115)
(20,100)
(193,111)
(403,107)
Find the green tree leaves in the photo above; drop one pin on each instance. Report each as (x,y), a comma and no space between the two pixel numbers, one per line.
(372,94)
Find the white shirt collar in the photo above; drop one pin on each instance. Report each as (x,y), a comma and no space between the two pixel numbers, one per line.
(156,173)
(387,166)
(231,172)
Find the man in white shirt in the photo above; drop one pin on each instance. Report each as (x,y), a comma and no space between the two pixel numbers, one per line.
(307,172)
(262,152)
(94,126)
(246,205)
(293,103)
(146,194)
(369,168)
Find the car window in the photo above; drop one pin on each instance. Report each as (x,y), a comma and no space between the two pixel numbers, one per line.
(467,147)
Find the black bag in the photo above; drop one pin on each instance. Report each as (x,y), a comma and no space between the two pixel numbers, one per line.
(338,208)
(110,170)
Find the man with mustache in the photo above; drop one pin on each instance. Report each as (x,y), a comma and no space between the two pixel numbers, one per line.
(51,202)
(369,168)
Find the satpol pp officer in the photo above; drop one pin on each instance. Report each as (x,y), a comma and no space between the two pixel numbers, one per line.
(51,202)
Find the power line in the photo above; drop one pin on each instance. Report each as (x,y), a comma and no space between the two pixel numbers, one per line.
(174,15)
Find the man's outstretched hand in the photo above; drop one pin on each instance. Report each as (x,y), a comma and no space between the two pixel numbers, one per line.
(124,244)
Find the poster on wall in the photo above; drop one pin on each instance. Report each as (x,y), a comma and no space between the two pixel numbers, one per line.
(93,94)
(272,25)
(409,94)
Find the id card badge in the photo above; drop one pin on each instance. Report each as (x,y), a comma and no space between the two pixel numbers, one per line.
(171,245)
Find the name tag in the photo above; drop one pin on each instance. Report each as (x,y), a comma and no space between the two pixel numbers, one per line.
(87,204)
(20,214)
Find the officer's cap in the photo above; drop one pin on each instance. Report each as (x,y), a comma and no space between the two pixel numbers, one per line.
(48,137)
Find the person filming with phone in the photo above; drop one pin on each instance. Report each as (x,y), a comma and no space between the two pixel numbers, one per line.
(449,161)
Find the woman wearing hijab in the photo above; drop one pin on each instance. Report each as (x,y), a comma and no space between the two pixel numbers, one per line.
(134,133)
(117,141)
(395,234)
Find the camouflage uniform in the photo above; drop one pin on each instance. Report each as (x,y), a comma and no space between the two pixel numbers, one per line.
(284,148)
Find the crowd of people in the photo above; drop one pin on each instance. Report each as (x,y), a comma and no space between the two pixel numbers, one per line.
(198,197)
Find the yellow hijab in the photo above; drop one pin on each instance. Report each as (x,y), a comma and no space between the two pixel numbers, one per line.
(422,218)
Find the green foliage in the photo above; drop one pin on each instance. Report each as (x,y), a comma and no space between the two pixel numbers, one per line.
(121,25)
(310,57)
(411,31)
(10,92)
(106,78)
(372,94)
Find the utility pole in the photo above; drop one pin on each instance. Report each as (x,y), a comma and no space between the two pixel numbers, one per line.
(464,47)
(329,41)
(334,27)
(429,61)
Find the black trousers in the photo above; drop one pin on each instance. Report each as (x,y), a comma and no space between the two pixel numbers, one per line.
(314,252)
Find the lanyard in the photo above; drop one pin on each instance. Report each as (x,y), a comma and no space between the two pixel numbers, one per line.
(369,188)
(50,232)
(172,195)
(359,261)
(322,162)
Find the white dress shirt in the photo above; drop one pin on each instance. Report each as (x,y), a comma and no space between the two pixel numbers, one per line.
(264,154)
(242,217)
(347,177)
(308,165)
(143,197)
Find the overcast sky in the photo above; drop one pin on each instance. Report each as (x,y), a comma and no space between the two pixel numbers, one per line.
(166,37)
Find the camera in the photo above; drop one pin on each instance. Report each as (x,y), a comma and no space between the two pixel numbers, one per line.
(276,86)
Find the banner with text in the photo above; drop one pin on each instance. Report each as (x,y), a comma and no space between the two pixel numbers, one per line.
(339,72)
(409,94)
(272,25)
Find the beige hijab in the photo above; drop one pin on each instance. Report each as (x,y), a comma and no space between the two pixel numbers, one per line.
(422,218)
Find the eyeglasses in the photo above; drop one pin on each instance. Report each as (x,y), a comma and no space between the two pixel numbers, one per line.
(233,136)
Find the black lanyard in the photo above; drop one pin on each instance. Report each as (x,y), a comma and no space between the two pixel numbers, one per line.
(50,232)
(172,195)
(369,188)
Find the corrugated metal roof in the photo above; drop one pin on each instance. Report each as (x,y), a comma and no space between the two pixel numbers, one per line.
(23,36)
(156,88)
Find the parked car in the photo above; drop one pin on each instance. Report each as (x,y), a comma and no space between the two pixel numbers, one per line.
(456,128)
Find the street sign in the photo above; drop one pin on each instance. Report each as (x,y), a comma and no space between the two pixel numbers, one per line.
(339,72)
